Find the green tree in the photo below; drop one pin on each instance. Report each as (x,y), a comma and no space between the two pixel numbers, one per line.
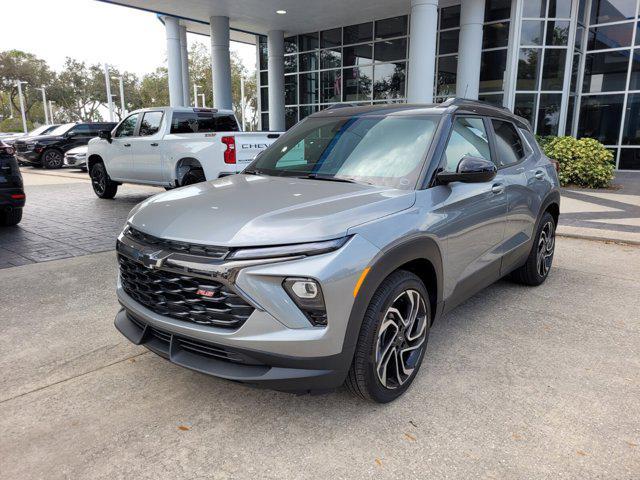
(154,89)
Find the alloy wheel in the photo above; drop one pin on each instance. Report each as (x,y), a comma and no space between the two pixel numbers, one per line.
(98,180)
(546,246)
(401,339)
(53,159)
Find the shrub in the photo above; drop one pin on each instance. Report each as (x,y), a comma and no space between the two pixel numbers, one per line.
(585,162)
(10,125)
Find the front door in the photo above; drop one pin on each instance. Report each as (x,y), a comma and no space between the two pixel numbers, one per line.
(474,216)
(146,148)
(119,161)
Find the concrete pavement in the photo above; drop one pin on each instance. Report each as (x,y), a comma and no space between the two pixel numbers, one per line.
(517,383)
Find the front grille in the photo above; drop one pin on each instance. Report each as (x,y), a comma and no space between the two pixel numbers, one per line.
(175,246)
(21,147)
(176,296)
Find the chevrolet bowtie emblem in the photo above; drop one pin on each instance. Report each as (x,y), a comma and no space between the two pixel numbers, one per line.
(153,260)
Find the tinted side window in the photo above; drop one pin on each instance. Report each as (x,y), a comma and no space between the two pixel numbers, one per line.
(128,127)
(150,123)
(202,122)
(509,148)
(80,130)
(468,138)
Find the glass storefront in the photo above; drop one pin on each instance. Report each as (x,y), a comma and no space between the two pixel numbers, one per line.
(567,66)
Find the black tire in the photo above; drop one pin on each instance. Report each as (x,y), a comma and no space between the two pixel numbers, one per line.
(12,217)
(538,265)
(364,378)
(195,175)
(52,159)
(102,185)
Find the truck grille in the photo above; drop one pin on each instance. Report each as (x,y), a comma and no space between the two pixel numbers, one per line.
(21,147)
(183,297)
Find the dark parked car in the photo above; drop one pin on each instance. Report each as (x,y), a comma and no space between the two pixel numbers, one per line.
(48,150)
(11,189)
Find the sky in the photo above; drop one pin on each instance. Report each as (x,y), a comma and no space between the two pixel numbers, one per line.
(92,31)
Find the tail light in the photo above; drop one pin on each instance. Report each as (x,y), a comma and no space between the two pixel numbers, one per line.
(18,196)
(230,152)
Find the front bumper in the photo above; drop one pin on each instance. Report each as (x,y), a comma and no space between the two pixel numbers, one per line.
(73,161)
(288,352)
(31,157)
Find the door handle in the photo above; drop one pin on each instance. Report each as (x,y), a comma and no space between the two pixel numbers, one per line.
(127,144)
(154,144)
(497,188)
(539,174)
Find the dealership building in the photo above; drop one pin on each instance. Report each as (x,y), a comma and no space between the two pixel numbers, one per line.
(571,67)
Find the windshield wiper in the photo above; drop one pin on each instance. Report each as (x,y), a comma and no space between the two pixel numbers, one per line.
(315,176)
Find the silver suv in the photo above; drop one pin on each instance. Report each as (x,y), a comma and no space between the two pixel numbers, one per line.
(330,258)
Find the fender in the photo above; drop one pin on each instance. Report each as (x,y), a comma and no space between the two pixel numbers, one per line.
(387,261)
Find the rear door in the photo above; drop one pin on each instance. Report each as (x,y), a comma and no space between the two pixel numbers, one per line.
(77,136)
(476,214)
(119,151)
(147,147)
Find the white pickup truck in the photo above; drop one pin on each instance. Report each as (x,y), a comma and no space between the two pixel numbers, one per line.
(171,147)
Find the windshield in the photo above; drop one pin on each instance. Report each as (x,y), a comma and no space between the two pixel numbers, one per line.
(62,129)
(38,131)
(384,150)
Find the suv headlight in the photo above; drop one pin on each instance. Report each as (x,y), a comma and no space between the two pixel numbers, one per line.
(294,250)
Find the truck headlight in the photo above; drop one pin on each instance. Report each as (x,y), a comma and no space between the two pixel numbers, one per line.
(307,295)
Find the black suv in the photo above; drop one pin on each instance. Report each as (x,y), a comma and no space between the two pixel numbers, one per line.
(11,189)
(48,150)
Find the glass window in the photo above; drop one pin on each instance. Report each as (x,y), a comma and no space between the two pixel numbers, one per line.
(532,32)
(559,9)
(290,63)
(128,126)
(331,58)
(525,106)
(150,124)
(357,55)
(308,84)
(496,99)
(468,138)
(553,70)
(557,33)
(631,135)
(389,81)
(574,72)
(290,89)
(605,71)
(634,81)
(495,35)
(290,117)
(362,32)
(81,130)
(447,75)
(549,114)
(264,78)
(391,50)
(579,37)
(331,86)
(262,52)
(492,67)
(610,36)
(534,9)
(448,41)
(571,105)
(264,121)
(604,11)
(385,151)
(291,44)
(308,61)
(601,117)
(497,10)
(307,110)
(331,38)
(202,122)
(264,98)
(509,148)
(308,41)
(357,84)
(629,159)
(391,27)
(450,17)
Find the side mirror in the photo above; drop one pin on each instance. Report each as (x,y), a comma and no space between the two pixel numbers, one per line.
(470,170)
(105,135)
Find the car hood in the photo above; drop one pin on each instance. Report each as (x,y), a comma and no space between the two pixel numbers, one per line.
(249,210)
(40,139)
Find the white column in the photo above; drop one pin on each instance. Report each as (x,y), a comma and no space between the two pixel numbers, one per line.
(275,51)
(22,112)
(184,56)
(220,63)
(470,49)
(422,50)
(107,84)
(174,60)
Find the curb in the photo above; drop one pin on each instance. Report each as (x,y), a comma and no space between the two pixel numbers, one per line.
(596,238)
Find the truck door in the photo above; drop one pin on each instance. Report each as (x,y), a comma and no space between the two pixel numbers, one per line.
(118,162)
(146,149)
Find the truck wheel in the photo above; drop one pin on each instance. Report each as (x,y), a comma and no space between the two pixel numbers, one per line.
(101,183)
(52,159)
(195,175)
(12,217)
(392,339)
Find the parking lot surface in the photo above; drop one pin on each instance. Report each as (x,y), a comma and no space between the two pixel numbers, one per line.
(517,383)
(63,218)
